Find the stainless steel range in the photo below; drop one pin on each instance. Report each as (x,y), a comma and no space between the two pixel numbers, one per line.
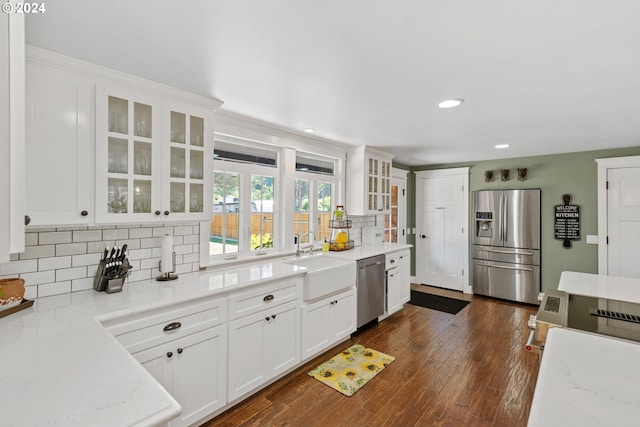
(618,319)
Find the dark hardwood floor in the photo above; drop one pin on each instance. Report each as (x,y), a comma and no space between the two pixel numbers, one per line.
(468,369)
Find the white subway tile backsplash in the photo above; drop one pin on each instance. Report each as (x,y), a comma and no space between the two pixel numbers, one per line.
(149,263)
(93,247)
(138,233)
(115,234)
(151,242)
(31,279)
(54,263)
(42,251)
(30,292)
(82,284)
(161,231)
(139,275)
(53,237)
(71,273)
(55,288)
(65,259)
(183,249)
(18,267)
(140,253)
(190,239)
(30,239)
(87,259)
(181,231)
(71,249)
(87,235)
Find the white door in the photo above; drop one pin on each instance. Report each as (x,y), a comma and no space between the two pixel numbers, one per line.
(623,228)
(442,217)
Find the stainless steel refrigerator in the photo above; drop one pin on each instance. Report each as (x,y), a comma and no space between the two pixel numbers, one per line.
(506,244)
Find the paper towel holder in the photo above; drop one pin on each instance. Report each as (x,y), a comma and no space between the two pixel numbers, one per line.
(168,275)
(169,257)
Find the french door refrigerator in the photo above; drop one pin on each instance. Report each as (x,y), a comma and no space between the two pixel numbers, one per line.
(506,244)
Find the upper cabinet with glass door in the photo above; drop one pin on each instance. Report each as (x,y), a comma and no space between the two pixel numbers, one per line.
(154,158)
(368,181)
(189,177)
(128,156)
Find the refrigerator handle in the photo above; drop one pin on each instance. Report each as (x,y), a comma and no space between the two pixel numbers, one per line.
(501,218)
(504,218)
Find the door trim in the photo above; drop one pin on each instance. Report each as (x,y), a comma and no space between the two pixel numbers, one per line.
(603,169)
(466,286)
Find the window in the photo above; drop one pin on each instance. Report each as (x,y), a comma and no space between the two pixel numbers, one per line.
(243,201)
(314,186)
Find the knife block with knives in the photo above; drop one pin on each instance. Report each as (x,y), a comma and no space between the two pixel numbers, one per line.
(113,269)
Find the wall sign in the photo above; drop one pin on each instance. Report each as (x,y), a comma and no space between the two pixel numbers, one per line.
(567,222)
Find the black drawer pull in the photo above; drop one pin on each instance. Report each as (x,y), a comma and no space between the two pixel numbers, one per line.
(180,350)
(267,318)
(268,298)
(273,316)
(172,326)
(169,354)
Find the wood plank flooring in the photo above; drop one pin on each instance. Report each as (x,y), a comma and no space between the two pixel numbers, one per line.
(468,369)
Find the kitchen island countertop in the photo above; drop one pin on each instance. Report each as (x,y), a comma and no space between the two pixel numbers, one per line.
(600,286)
(586,380)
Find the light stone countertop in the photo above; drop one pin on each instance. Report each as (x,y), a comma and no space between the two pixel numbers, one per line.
(586,380)
(600,286)
(62,368)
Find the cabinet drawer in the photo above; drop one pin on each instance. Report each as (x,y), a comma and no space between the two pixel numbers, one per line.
(144,330)
(392,260)
(261,297)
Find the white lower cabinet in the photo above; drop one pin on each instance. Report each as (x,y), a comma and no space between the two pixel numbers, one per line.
(405,275)
(193,370)
(327,322)
(262,345)
(393,291)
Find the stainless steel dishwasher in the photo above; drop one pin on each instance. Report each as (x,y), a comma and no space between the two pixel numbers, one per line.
(370,284)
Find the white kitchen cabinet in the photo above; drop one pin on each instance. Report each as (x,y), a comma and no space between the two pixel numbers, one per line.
(128,156)
(327,322)
(262,345)
(368,181)
(184,347)
(154,158)
(404,270)
(58,147)
(393,291)
(187,161)
(192,369)
(12,128)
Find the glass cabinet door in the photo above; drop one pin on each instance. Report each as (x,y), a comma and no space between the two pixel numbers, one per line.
(187,163)
(129,160)
(128,153)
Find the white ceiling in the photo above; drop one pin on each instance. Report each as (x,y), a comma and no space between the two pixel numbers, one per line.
(544,76)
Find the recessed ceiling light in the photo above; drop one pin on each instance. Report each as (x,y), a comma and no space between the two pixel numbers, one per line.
(502,146)
(309,130)
(450,103)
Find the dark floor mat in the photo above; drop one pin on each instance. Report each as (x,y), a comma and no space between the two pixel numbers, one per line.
(437,302)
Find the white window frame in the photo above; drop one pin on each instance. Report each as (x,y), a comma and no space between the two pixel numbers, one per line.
(313,179)
(245,170)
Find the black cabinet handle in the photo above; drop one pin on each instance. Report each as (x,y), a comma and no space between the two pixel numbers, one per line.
(268,298)
(273,316)
(166,213)
(157,213)
(423,236)
(169,354)
(84,213)
(393,261)
(172,326)
(27,220)
(180,350)
(267,318)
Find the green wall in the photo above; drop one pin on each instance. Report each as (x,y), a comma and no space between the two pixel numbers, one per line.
(575,174)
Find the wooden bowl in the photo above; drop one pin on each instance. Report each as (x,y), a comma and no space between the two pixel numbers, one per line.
(11,292)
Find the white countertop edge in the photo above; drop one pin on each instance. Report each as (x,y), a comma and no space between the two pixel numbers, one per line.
(600,286)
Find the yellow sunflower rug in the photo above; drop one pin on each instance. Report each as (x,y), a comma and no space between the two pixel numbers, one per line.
(348,371)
